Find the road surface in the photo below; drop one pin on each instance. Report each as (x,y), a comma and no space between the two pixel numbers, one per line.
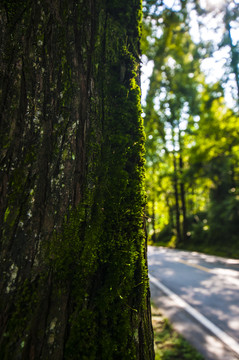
(200,294)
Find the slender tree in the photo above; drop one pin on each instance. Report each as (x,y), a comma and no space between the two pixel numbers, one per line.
(182,190)
(73,263)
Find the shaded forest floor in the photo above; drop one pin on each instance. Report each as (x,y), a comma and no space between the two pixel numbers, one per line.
(168,344)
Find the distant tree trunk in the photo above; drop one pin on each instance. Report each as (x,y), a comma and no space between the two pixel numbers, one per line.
(73,257)
(176,194)
(183,202)
(182,192)
(170,211)
(153,219)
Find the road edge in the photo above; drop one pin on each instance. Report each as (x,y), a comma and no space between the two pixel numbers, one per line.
(220,334)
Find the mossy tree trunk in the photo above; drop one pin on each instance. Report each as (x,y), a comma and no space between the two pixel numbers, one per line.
(73,265)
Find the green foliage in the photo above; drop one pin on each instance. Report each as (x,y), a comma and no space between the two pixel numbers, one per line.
(191,141)
(165,235)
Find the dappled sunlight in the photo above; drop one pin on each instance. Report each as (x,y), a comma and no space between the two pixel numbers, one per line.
(209,284)
(201,291)
(227,278)
(155,262)
(169,272)
(234,308)
(234,324)
(226,272)
(215,347)
(189,295)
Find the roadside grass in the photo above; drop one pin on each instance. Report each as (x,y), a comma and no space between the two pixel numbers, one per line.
(168,344)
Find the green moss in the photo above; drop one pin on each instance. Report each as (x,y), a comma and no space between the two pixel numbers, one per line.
(113,241)
(17,330)
(96,255)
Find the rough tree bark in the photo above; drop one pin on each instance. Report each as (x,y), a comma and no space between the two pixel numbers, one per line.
(73,266)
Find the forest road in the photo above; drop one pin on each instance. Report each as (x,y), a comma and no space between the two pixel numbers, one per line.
(200,295)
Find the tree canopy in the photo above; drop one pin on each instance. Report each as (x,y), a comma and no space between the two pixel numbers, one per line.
(191,122)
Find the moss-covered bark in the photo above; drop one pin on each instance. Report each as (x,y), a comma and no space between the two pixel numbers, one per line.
(74,276)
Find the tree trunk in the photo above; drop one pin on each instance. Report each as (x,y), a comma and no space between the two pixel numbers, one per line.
(74,274)
(177,208)
(182,192)
(153,220)
(183,202)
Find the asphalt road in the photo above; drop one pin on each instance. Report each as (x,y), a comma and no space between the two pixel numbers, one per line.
(200,294)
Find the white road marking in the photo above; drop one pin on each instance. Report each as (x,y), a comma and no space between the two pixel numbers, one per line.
(220,334)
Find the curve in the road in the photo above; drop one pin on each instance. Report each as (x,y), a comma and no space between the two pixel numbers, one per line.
(225,338)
